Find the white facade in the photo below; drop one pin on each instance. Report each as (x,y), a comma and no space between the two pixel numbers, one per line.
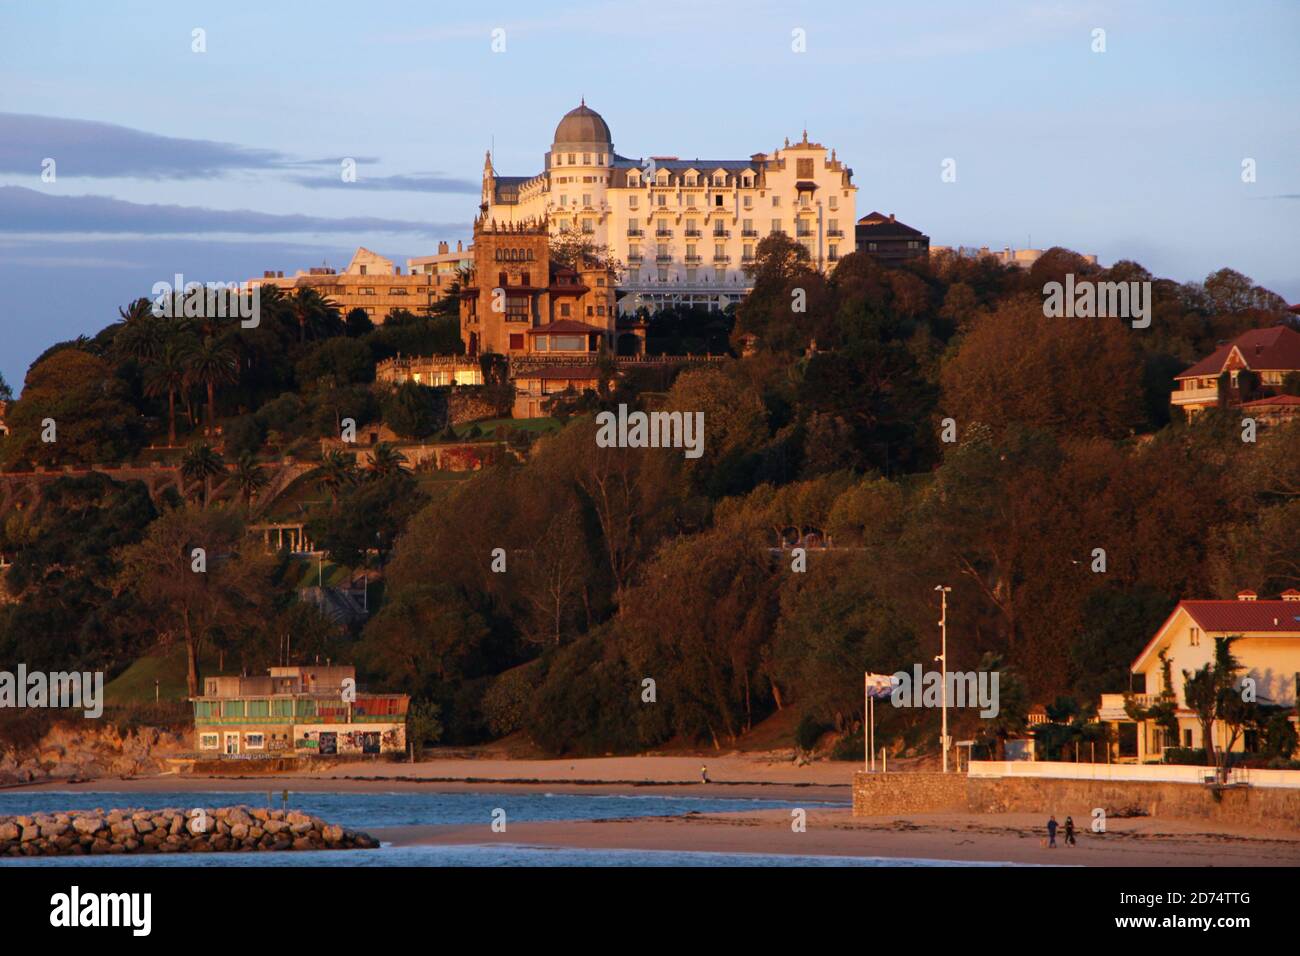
(684,230)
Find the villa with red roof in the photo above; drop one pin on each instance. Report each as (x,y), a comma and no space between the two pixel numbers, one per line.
(1251,368)
(1267,646)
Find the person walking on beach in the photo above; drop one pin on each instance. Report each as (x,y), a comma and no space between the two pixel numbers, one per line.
(1069,831)
(1051,832)
(704,775)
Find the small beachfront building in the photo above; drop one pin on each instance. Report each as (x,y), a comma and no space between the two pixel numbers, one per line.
(297,711)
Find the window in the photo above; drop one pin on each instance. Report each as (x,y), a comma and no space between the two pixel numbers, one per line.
(503,279)
(568,343)
(586,159)
(776,200)
(663,274)
(363,270)
(631,202)
(717,200)
(588,226)
(564,310)
(1194,637)
(833,252)
(719,275)
(205,708)
(805,168)
(749,202)
(571,159)
(748,252)
(232,708)
(254,741)
(690,200)
(209,742)
(591,311)
(397,292)
(1187,738)
(586,200)
(282,708)
(259,708)
(662,200)
(365,290)
(776,225)
(833,202)
(524,279)
(517,341)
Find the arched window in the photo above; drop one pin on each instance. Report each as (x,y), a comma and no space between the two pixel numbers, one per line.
(503,280)
(525,279)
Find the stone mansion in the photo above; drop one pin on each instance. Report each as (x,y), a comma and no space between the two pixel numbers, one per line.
(684,229)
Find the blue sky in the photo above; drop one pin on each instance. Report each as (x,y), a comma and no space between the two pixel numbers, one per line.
(224,163)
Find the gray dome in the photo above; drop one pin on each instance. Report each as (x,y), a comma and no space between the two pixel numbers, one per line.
(582,126)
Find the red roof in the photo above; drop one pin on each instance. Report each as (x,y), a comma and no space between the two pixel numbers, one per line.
(1275,349)
(1229,617)
(1291,400)
(1245,615)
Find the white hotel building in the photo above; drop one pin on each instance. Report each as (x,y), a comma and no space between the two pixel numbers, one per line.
(684,230)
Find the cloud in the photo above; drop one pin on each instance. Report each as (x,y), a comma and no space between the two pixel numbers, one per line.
(414,184)
(28,211)
(102,150)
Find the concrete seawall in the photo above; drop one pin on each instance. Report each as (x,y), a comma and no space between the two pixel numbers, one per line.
(877,794)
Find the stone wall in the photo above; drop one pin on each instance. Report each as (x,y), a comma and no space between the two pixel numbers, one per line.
(903,793)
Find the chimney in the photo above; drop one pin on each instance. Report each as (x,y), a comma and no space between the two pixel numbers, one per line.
(1291,594)
(458,246)
(442,248)
(891,217)
(1246,595)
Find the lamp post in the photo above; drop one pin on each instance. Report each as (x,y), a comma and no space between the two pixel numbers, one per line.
(943,663)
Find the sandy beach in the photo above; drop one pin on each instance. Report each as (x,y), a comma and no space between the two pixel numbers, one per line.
(1004,838)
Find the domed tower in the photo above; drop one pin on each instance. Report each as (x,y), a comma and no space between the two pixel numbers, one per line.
(578,164)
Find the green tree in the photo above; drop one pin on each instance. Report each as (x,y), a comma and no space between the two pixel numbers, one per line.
(201,463)
(250,477)
(208,364)
(181,598)
(423,726)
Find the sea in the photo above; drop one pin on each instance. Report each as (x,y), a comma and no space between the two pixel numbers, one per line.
(370,812)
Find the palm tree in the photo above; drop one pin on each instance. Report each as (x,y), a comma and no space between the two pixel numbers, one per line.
(310,308)
(166,375)
(251,478)
(385,460)
(210,363)
(338,470)
(201,463)
(139,334)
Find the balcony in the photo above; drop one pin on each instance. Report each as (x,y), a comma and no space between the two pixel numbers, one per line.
(663,233)
(693,233)
(749,233)
(1195,396)
(804,234)
(694,260)
(636,233)
(664,257)
(721,233)
(835,232)
(634,258)
(747,259)
(721,258)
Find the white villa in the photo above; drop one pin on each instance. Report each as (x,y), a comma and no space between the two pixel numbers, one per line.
(1268,647)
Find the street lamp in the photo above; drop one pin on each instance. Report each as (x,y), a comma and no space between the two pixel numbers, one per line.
(943,659)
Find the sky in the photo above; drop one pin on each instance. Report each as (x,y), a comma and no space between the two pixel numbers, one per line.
(223,163)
